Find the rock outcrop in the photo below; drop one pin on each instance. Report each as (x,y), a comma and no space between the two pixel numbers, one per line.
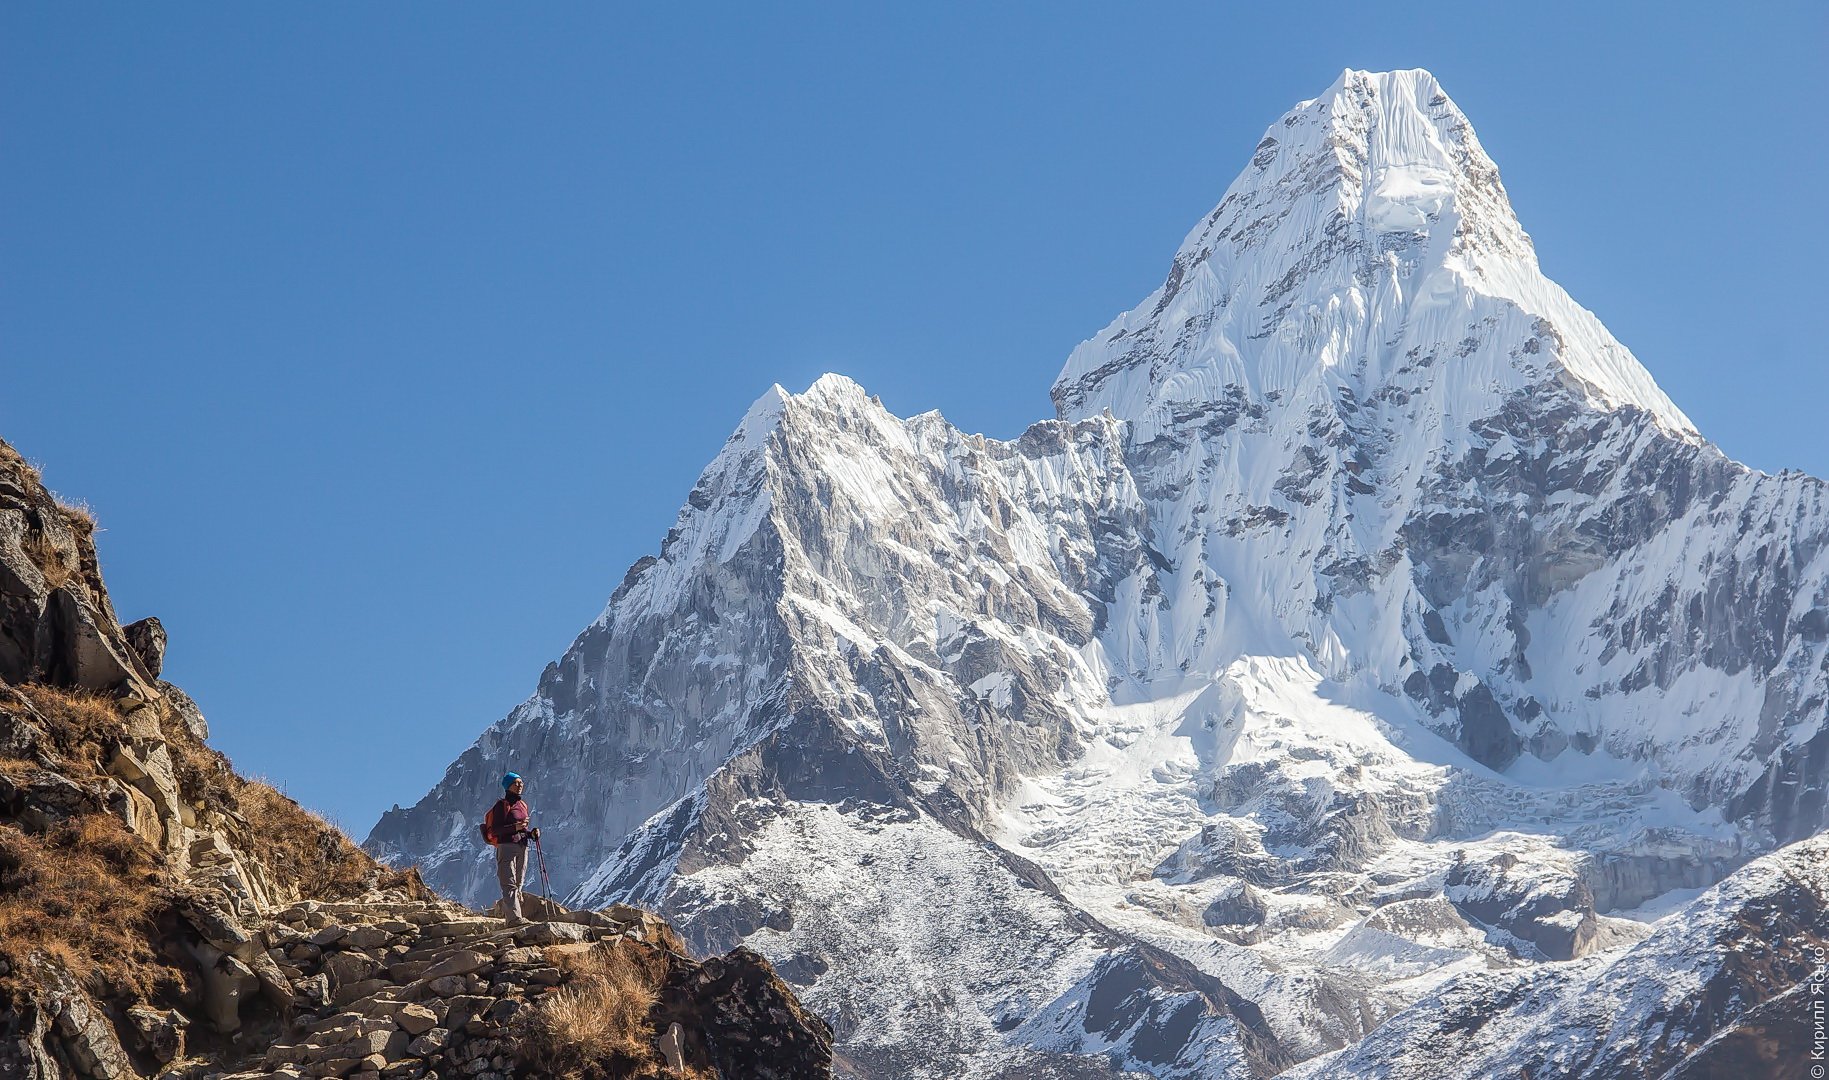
(162,916)
(411,989)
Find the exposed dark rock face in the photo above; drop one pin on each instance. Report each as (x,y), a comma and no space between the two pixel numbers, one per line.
(1559,922)
(147,639)
(1240,906)
(748,1022)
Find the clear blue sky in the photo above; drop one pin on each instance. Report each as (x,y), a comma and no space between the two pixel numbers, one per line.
(382,338)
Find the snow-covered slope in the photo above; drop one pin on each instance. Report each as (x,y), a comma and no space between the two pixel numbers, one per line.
(1368,619)
(1722,989)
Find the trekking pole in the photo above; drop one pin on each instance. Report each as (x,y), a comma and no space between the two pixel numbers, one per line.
(545,882)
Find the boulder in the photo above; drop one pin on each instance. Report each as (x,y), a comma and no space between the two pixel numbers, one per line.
(671,1048)
(329,935)
(463,1008)
(407,970)
(416,1020)
(286,1054)
(46,799)
(433,1041)
(186,709)
(147,640)
(214,921)
(313,991)
(551,933)
(367,937)
(360,1046)
(21,728)
(20,576)
(137,812)
(346,968)
(461,962)
(158,1034)
(450,928)
(226,981)
(354,992)
(147,766)
(24,1052)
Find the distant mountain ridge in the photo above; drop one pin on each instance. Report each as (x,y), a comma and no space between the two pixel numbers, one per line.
(1367,618)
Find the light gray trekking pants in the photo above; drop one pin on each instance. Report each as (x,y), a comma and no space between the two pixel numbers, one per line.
(511,871)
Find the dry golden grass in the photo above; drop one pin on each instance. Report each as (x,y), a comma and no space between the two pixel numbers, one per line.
(12,457)
(78,721)
(80,516)
(87,893)
(596,1026)
(57,569)
(295,842)
(33,475)
(292,842)
(96,897)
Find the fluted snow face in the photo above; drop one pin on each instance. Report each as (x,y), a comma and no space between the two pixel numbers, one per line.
(1368,619)
(1370,431)
(1370,230)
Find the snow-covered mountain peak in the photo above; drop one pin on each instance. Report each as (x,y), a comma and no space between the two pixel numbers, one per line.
(835,387)
(761,418)
(1406,155)
(1368,245)
(1367,619)
(829,393)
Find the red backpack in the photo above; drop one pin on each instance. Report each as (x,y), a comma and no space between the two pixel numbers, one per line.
(496,822)
(488,825)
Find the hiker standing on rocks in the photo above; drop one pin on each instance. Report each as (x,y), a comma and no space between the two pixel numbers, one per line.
(506,828)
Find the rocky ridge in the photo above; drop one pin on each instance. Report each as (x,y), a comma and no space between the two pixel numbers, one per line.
(161,916)
(414,989)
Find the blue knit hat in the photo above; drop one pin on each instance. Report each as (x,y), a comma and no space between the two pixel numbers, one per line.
(508,780)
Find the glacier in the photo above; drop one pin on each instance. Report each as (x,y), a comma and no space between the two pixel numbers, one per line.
(1367,634)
